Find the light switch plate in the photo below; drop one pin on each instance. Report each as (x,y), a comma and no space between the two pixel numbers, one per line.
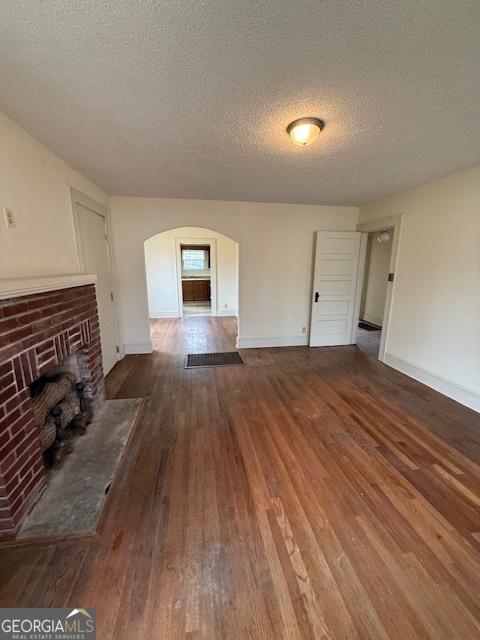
(9,217)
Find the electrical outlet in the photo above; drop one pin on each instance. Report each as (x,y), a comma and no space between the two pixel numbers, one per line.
(9,218)
(304,329)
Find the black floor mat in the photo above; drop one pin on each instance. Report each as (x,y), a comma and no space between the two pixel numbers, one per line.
(212,359)
(369,327)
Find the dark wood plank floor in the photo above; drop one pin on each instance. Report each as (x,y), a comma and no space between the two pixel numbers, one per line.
(312,493)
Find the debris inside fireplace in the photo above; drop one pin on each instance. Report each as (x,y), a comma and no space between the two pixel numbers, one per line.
(62,412)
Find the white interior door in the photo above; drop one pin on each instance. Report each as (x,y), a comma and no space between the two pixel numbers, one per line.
(93,246)
(339,265)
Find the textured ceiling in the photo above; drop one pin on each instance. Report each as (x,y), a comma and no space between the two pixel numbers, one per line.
(191,99)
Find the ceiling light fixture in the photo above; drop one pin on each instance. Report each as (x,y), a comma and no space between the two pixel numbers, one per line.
(304,131)
(383,237)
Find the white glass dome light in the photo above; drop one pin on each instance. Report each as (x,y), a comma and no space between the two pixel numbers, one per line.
(383,237)
(304,131)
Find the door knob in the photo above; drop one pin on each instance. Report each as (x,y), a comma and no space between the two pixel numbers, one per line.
(317,296)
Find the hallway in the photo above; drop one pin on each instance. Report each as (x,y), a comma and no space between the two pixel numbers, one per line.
(311,493)
(369,341)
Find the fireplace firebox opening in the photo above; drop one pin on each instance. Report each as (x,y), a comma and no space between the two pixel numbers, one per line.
(61,409)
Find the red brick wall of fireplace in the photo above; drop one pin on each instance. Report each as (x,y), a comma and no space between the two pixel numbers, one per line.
(38,332)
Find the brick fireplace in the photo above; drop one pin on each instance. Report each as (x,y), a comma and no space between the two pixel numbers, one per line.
(42,322)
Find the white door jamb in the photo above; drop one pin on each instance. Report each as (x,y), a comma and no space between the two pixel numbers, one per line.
(379,224)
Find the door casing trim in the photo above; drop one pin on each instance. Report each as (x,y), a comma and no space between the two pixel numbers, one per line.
(389,222)
(77,197)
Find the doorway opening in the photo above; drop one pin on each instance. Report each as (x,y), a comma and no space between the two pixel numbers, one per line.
(374,290)
(196,271)
(94,256)
(190,272)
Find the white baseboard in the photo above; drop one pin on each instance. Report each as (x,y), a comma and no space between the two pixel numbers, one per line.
(163,314)
(226,312)
(133,349)
(372,320)
(457,392)
(257,343)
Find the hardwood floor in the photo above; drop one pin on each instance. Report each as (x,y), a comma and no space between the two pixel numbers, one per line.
(369,341)
(311,493)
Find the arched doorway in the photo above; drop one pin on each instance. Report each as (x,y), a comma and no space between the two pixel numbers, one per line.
(191,271)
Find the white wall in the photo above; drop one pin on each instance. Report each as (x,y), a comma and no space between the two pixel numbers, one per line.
(276,244)
(434,330)
(35,183)
(375,283)
(227,276)
(161,269)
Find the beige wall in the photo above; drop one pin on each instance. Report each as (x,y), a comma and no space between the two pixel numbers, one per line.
(161,269)
(35,183)
(374,292)
(434,330)
(275,260)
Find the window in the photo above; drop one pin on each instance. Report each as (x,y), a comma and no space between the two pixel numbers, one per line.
(195,258)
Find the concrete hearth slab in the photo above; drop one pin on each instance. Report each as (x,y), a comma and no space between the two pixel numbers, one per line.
(75,494)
